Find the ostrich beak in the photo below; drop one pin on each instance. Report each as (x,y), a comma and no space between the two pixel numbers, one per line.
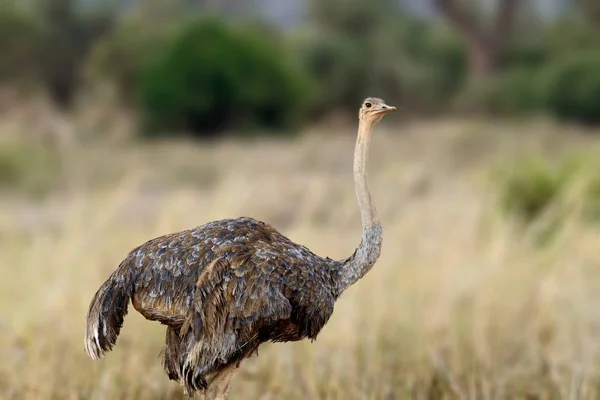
(384,109)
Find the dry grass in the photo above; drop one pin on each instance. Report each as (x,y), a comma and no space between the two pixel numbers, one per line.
(461,304)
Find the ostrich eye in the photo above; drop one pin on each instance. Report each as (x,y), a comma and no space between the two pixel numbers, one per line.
(368,105)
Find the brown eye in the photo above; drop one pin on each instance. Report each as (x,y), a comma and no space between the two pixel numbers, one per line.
(368,105)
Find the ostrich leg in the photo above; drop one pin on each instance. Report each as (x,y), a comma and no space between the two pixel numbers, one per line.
(221,384)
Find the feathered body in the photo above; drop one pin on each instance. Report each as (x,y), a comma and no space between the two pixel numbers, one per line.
(224,288)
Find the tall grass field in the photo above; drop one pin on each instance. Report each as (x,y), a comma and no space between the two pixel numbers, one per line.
(469,300)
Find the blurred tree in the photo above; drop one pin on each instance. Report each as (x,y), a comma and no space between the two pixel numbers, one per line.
(213,77)
(590,9)
(571,88)
(359,19)
(19,49)
(486,46)
(118,58)
(68,32)
(359,47)
(160,15)
(350,49)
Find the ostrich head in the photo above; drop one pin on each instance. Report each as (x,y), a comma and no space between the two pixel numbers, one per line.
(372,109)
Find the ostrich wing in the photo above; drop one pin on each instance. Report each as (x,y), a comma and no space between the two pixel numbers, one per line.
(226,275)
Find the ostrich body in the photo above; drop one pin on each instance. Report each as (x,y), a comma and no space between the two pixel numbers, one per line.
(225,287)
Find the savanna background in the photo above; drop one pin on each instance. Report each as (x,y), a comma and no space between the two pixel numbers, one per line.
(124,120)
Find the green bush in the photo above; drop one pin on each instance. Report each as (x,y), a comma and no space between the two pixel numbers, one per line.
(527,54)
(119,58)
(414,63)
(569,37)
(555,70)
(18,54)
(69,31)
(338,66)
(45,43)
(350,50)
(514,92)
(214,77)
(571,89)
(534,187)
(434,67)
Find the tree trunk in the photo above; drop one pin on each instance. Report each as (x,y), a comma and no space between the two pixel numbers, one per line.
(591,11)
(485,46)
(484,58)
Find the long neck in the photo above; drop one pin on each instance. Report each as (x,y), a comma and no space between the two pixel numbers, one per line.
(368,214)
(367,253)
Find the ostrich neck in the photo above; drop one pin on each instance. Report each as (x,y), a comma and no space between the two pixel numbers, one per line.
(368,214)
(367,253)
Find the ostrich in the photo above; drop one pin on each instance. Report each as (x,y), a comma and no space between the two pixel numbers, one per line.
(225,287)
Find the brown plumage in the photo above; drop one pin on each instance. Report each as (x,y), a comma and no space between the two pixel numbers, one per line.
(225,287)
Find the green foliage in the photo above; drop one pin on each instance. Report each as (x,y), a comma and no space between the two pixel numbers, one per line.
(354,49)
(556,71)
(571,89)
(513,92)
(535,187)
(336,64)
(530,54)
(532,185)
(590,10)
(119,58)
(346,50)
(358,19)
(214,77)
(46,42)
(18,49)
(568,37)
(242,76)
(433,66)
(68,34)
